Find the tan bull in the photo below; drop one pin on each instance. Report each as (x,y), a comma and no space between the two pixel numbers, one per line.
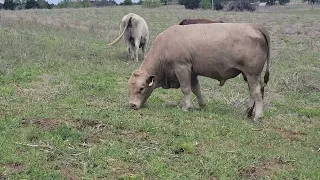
(136,34)
(220,51)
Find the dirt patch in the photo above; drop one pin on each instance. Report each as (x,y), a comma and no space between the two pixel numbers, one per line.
(288,134)
(47,123)
(265,168)
(212,178)
(68,173)
(15,167)
(120,169)
(83,124)
(134,134)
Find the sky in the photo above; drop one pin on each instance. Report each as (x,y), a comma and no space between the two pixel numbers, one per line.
(56,1)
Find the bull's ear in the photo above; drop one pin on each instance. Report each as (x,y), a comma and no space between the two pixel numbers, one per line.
(150,80)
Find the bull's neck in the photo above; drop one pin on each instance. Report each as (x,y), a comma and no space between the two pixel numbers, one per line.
(151,64)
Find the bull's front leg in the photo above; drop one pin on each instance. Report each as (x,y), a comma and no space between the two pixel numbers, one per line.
(195,88)
(183,74)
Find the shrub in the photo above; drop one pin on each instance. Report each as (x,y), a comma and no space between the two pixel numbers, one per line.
(126,2)
(181,2)
(240,5)
(205,4)
(191,4)
(151,4)
(218,6)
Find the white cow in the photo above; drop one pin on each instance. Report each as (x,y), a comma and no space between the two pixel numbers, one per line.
(136,34)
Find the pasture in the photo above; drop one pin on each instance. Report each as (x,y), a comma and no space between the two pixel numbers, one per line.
(64,102)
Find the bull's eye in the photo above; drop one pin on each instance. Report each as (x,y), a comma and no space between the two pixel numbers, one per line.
(141,89)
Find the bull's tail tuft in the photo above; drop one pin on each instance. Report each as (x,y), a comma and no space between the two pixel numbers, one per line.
(266,77)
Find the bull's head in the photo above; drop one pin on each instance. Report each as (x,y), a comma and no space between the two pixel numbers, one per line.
(140,85)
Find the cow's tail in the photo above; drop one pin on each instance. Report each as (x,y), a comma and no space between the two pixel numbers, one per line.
(267,37)
(266,75)
(124,29)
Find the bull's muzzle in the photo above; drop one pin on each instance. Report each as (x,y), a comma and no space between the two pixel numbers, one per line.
(133,106)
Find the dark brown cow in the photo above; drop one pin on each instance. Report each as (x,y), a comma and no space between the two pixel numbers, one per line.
(198,21)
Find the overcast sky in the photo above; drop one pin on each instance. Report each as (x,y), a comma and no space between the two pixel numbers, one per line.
(56,1)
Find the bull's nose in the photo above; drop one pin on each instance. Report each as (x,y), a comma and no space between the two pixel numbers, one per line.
(133,106)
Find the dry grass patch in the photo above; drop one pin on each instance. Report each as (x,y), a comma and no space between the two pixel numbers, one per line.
(266,168)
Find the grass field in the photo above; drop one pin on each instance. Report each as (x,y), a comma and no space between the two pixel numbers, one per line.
(64,114)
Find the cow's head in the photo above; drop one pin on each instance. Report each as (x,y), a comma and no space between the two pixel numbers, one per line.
(140,86)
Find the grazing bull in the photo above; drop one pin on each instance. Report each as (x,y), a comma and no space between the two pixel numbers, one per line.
(136,34)
(198,21)
(219,51)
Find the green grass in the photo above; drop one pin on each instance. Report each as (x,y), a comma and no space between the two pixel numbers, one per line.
(64,114)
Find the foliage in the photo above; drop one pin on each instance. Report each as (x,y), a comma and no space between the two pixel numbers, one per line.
(191,4)
(283,2)
(74,4)
(31,4)
(151,4)
(126,2)
(207,4)
(218,6)
(9,4)
(42,4)
(240,5)
(272,2)
(181,2)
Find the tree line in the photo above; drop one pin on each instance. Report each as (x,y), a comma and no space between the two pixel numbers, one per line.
(26,4)
(229,5)
(43,4)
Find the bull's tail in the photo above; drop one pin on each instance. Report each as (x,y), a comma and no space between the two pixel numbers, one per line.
(267,37)
(124,29)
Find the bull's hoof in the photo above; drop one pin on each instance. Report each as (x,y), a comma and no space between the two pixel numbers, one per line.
(257,119)
(202,105)
(249,112)
(185,107)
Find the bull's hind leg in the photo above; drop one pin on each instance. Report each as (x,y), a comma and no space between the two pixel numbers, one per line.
(183,74)
(195,88)
(128,48)
(144,47)
(255,97)
(136,49)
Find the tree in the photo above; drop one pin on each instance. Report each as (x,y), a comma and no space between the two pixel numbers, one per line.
(181,2)
(240,5)
(151,4)
(205,4)
(9,4)
(42,4)
(126,2)
(217,5)
(165,1)
(31,4)
(191,4)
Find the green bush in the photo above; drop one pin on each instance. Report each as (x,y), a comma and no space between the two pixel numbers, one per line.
(126,2)
(151,4)
(191,4)
(218,6)
(205,4)
(240,5)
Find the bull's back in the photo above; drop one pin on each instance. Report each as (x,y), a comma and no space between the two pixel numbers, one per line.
(214,48)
